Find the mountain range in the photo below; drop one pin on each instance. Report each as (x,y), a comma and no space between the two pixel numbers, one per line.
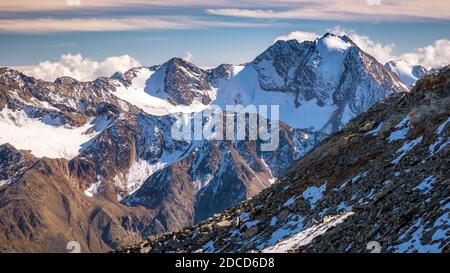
(95,162)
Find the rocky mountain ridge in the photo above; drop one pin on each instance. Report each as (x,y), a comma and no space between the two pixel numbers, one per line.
(384,177)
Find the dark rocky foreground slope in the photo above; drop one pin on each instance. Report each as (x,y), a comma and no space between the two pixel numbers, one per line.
(384,177)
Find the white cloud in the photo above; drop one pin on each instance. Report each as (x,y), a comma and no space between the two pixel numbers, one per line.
(381,52)
(80,68)
(188,57)
(430,56)
(373,2)
(73,2)
(299,36)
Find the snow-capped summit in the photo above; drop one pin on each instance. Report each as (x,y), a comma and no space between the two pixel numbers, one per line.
(183,82)
(332,50)
(407,72)
(318,84)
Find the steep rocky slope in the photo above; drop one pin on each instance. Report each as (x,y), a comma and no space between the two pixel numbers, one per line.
(384,177)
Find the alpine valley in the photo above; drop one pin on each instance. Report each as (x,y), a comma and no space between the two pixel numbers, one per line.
(95,162)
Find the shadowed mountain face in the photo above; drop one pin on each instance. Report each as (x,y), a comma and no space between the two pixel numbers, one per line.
(95,162)
(383,177)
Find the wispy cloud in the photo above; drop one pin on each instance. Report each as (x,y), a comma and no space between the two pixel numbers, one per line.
(55,5)
(24,16)
(300,36)
(434,55)
(188,56)
(79,67)
(113,24)
(348,10)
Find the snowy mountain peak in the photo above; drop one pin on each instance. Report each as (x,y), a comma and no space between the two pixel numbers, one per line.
(183,82)
(319,85)
(407,72)
(331,42)
(65,80)
(8,73)
(223,73)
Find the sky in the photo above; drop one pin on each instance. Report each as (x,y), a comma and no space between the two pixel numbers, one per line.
(86,39)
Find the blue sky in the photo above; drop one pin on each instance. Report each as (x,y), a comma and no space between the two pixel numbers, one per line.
(213,32)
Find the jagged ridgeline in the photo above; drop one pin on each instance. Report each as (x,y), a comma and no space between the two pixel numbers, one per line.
(384,177)
(95,162)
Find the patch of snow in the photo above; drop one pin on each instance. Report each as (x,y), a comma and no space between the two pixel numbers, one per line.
(387,182)
(306,236)
(237,69)
(208,247)
(426,185)
(442,126)
(201,183)
(138,173)
(290,201)
(359,176)
(313,194)
(245,216)
(414,244)
(347,249)
(272,179)
(401,130)
(141,170)
(251,224)
(287,230)
(4,182)
(95,188)
(273,221)
(44,139)
(407,146)
(342,186)
(443,225)
(343,207)
(347,114)
(375,131)
(440,143)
